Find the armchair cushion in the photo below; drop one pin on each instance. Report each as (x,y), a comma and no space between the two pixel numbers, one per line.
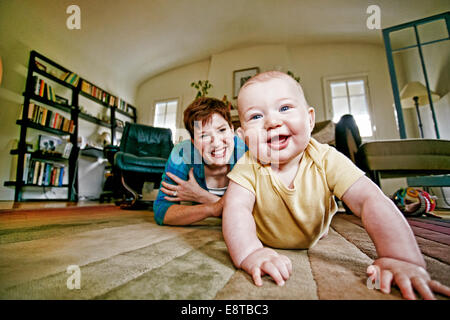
(146,141)
(130,162)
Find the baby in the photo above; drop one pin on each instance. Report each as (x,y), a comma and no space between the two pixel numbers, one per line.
(281,193)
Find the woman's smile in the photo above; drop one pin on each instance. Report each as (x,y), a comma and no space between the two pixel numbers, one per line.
(219,152)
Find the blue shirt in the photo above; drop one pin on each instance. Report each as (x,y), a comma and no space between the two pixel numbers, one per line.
(183,157)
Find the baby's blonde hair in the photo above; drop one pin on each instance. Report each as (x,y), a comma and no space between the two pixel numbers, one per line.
(267,76)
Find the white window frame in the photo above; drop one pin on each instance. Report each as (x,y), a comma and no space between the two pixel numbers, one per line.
(329,114)
(174,133)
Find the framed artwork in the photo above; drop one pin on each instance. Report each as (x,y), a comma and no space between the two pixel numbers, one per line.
(120,123)
(48,143)
(240,77)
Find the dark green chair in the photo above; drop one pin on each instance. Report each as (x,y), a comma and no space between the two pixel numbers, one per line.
(144,151)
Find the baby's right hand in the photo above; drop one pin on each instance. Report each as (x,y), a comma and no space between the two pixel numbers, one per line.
(267,261)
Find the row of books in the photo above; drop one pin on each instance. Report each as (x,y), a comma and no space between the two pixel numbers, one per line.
(71,78)
(123,105)
(98,93)
(43,89)
(48,118)
(42,173)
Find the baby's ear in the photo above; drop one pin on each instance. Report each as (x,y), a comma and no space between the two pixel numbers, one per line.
(312,119)
(240,133)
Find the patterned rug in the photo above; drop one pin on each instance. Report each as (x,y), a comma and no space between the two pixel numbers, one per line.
(121,254)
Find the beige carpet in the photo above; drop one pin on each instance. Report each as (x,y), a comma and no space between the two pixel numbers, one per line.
(125,255)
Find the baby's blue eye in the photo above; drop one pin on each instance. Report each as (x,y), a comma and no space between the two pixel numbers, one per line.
(284,108)
(255,117)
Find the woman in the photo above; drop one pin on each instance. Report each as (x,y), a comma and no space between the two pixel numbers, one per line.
(197,168)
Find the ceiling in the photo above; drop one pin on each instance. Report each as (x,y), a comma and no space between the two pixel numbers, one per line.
(142,38)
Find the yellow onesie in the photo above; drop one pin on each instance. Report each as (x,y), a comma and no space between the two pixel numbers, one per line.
(297,218)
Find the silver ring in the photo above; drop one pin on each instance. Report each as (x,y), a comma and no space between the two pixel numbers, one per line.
(175,193)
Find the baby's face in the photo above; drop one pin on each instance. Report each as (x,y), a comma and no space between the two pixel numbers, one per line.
(276,120)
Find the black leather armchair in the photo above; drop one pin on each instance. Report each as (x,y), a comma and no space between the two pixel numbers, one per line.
(143,154)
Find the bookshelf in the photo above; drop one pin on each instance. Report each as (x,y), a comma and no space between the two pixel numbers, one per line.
(52,109)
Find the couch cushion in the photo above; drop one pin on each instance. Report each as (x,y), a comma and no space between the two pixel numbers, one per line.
(324,132)
(406,154)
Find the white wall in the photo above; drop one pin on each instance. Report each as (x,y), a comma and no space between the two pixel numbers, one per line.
(173,84)
(310,62)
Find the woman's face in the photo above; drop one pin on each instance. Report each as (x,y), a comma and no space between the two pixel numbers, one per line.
(214,140)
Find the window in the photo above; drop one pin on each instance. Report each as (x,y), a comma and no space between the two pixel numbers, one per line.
(166,115)
(350,96)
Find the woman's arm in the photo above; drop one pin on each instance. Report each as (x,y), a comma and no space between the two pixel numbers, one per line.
(189,190)
(186,190)
(178,214)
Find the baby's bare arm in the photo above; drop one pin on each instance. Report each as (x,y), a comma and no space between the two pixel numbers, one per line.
(246,250)
(399,257)
(385,224)
(239,229)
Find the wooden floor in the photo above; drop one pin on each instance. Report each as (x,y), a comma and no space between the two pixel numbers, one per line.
(7,206)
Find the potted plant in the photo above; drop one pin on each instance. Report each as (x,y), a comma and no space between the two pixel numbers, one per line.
(202,87)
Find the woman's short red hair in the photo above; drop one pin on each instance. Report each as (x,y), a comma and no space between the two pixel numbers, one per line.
(202,109)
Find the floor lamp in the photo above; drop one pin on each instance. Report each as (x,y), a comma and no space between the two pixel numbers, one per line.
(1,70)
(414,95)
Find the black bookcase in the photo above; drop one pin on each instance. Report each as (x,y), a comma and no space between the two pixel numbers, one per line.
(39,73)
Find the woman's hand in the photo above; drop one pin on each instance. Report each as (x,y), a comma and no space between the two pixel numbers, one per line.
(407,276)
(186,190)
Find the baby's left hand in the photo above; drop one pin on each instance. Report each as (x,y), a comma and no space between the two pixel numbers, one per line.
(407,277)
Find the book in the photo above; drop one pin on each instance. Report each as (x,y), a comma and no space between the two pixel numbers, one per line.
(26,165)
(41,173)
(30,110)
(37,165)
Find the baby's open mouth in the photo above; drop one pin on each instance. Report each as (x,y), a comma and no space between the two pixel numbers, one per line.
(278,142)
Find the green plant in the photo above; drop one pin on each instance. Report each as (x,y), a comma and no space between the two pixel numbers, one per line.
(290,73)
(202,87)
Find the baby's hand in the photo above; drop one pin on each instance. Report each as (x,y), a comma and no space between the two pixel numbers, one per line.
(407,276)
(267,261)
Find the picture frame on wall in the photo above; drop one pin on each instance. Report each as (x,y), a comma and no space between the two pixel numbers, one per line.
(240,77)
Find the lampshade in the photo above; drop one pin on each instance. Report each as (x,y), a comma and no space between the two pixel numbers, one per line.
(416,89)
